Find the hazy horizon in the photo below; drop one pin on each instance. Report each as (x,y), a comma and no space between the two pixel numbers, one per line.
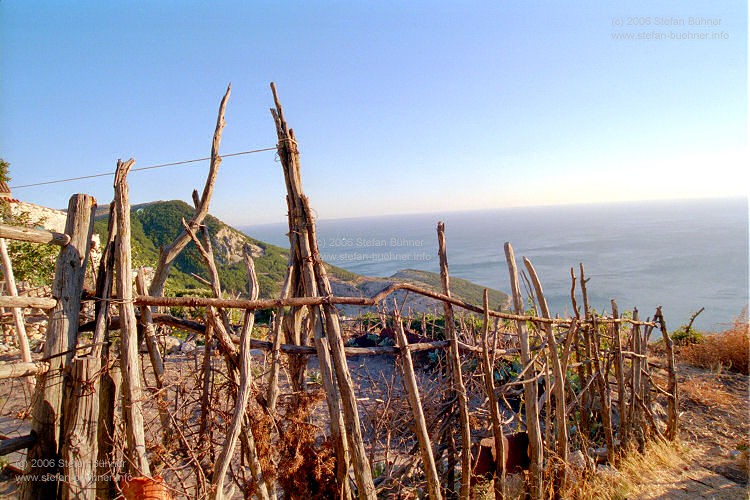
(397,108)
(283,218)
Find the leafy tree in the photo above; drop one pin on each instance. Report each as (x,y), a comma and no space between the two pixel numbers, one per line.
(32,262)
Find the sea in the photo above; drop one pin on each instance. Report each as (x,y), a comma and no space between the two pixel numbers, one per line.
(682,255)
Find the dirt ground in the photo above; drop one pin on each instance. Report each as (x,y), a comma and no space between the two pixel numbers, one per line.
(715,430)
(714,420)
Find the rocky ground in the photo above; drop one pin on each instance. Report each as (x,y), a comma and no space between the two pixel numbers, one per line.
(714,410)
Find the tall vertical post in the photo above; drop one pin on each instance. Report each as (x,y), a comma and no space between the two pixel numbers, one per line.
(561,434)
(129,362)
(62,334)
(672,424)
(620,373)
(314,281)
(455,359)
(412,392)
(536,447)
(10,283)
(497,425)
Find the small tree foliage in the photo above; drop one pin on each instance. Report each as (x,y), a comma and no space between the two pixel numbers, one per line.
(32,262)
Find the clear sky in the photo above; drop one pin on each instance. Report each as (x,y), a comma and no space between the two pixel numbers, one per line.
(433,106)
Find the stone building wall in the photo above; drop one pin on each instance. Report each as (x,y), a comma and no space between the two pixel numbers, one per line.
(54,220)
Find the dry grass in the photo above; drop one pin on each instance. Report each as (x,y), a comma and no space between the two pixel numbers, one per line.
(708,391)
(729,349)
(636,473)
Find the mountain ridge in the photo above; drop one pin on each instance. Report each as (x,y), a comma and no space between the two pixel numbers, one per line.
(157,223)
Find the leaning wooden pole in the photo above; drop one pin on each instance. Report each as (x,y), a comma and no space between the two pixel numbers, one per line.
(157,363)
(107,394)
(132,391)
(497,425)
(620,374)
(306,249)
(412,391)
(672,422)
(62,334)
(455,359)
(536,447)
(170,252)
(243,396)
(18,319)
(561,427)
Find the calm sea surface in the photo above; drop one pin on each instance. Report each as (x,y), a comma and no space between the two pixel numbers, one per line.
(682,255)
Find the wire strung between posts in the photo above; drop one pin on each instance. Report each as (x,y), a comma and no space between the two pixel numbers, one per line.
(150,167)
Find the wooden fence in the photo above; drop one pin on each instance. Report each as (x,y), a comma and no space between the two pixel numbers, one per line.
(592,369)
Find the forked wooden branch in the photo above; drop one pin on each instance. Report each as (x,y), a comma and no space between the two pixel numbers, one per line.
(170,252)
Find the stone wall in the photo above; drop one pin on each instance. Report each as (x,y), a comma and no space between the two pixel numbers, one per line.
(54,220)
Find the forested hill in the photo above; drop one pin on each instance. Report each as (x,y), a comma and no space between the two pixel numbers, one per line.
(158,223)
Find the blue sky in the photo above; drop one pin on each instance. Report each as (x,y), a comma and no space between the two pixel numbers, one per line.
(436,106)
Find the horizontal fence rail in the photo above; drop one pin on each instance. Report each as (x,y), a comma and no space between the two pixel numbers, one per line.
(17,370)
(34,302)
(33,235)
(254,305)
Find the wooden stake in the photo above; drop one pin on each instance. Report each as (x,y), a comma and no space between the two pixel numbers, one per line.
(672,422)
(620,374)
(154,355)
(170,252)
(80,446)
(108,384)
(455,359)
(314,281)
(561,426)
(604,394)
(132,390)
(536,447)
(243,396)
(412,390)
(18,319)
(276,337)
(497,426)
(62,334)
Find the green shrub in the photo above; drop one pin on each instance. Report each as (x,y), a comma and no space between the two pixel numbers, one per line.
(685,335)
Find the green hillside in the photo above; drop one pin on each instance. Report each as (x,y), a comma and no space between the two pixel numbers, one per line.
(466,290)
(158,223)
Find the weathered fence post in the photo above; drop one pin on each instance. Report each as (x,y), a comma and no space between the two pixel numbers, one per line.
(131,383)
(62,334)
(536,447)
(635,417)
(561,435)
(412,390)
(79,441)
(455,359)
(10,283)
(603,388)
(497,426)
(620,373)
(314,281)
(672,423)
(108,383)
